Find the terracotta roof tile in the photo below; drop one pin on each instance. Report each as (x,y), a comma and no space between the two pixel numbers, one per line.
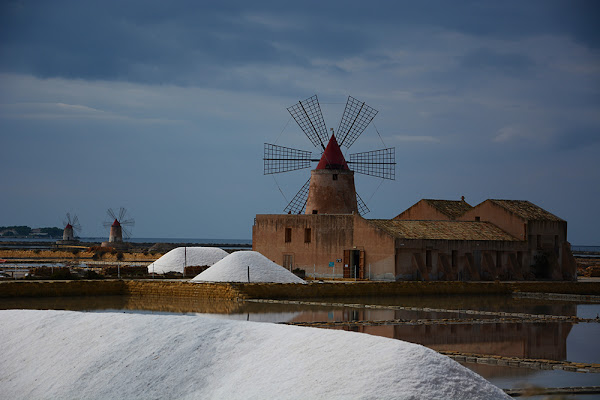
(451,208)
(442,230)
(526,210)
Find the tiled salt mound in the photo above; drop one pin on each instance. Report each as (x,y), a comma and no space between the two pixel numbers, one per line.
(234,268)
(175,259)
(49,354)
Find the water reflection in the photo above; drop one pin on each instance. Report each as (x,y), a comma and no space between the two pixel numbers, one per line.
(524,340)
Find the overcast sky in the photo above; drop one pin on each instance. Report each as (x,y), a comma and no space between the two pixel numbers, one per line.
(163,107)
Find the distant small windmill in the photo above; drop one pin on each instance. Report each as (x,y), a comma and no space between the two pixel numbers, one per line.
(120,226)
(330,189)
(72,226)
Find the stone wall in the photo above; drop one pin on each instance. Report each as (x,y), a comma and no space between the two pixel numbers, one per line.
(150,289)
(60,288)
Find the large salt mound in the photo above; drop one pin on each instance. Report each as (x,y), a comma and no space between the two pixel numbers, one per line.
(175,259)
(234,268)
(74,355)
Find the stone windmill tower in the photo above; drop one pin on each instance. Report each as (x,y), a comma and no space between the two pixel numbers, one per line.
(120,228)
(72,226)
(330,188)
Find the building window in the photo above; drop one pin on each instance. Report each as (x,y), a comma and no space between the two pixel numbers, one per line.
(539,241)
(335,177)
(428,258)
(477,219)
(288,261)
(288,235)
(315,211)
(307,232)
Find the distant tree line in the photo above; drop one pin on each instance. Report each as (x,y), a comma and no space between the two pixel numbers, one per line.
(23,231)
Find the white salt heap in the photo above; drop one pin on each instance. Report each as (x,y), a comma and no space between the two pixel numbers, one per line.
(175,259)
(234,268)
(75,355)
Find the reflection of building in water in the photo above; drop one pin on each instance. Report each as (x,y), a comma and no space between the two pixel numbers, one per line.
(524,340)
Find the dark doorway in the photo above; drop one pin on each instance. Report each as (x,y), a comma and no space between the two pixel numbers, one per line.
(354,264)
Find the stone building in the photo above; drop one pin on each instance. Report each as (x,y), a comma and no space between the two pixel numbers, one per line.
(432,240)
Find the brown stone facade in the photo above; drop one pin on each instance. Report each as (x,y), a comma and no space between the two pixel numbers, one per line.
(545,234)
(325,246)
(487,242)
(331,191)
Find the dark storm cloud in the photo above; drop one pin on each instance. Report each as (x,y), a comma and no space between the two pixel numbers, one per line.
(192,43)
(149,42)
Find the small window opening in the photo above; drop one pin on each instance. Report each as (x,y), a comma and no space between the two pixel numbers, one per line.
(288,235)
(307,235)
(335,177)
(477,218)
(315,211)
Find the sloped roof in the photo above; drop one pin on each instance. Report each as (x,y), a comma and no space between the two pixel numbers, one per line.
(526,210)
(451,208)
(442,230)
(332,157)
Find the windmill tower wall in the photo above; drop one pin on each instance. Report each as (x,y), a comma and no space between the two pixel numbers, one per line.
(116,234)
(68,233)
(331,191)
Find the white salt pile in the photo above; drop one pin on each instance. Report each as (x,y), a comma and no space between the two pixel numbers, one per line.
(175,259)
(234,268)
(68,355)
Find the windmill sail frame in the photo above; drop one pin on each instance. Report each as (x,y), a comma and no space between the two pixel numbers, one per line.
(355,119)
(309,117)
(380,163)
(298,203)
(278,159)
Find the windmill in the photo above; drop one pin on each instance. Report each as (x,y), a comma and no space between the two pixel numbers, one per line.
(330,188)
(71,226)
(120,227)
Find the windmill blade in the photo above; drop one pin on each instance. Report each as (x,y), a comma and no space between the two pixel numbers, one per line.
(111,214)
(279,159)
(298,203)
(379,163)
(67,220)
(125,232)
(357,116)
(75,223)
(309,117)
(122,212)
(362,207)
(127,222)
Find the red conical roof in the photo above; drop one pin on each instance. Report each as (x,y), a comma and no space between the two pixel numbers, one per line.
(332,157)
(69,226)
(116,223)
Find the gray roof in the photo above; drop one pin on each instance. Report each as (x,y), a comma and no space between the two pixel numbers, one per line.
(526,210)
(442,230)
